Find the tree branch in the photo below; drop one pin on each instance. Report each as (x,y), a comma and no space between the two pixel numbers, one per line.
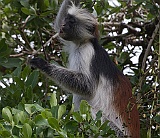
(34,52)
(50,40)
(149,45)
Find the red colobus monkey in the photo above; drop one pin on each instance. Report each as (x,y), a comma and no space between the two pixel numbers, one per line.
(91,75)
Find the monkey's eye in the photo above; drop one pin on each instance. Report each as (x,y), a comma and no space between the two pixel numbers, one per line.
(72,20)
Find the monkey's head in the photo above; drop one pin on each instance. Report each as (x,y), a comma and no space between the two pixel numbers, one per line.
(79,25)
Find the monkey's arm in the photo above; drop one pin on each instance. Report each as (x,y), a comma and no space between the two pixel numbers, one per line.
(71,80)
(62,13)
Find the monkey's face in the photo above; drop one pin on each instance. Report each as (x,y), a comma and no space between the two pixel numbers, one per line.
(68,28)
(74,29)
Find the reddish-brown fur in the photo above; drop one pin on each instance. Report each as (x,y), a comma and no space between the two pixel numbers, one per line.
(126,106)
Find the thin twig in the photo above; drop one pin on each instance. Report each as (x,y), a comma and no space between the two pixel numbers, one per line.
(149,45)
(53,37)
(50,40)
(24,53)
(26,20)
(18,55)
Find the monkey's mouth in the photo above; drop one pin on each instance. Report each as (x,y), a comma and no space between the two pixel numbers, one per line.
(62,33)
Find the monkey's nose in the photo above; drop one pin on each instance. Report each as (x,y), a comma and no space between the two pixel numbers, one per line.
(62,28)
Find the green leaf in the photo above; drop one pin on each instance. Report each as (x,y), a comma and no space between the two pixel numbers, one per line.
(98,123)
(29,108)
(16,119)
(24,3)
(54,111)
(11,62)
(6,114)
(3,46)
(63,133)
(26,11)
(5,134)
(7,1)
(53,122)
(42,4)
(53,100)
(27,131)
(19,82)
(61,111)
(110,46)
(77,117)
(53,4)
(22,116)
(32,79)
(38,107)
(98,115)
(84,107)
(124,56)
(46,114)
(94,128)
(145,88)
(32,108)
(40,121)
(46,2)
(15,111)
(157,118)
(26,72)
(71,126)
(39,130)
(4,50)
(98,8)
(29,92)
(44,14)
(17,71)
(134,80)
(69,114)
(105,128)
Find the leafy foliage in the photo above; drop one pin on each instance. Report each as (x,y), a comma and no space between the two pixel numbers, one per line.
(33,106)
(32,120)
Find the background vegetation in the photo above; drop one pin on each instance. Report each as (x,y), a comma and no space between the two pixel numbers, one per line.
(33,106)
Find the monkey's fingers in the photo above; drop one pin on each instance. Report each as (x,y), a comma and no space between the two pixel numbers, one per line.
(38,63)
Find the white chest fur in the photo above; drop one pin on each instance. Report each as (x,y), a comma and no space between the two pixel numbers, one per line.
(80,57)
(79,60)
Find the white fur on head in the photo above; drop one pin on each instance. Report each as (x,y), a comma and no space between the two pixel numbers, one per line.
(85,18)
(82,14)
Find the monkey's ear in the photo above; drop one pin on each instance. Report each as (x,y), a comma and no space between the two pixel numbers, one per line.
(91,29)
(96,31)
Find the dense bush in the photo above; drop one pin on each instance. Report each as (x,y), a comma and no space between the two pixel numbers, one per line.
(33,106)
(32,120)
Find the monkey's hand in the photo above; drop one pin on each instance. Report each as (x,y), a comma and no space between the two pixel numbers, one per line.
(39,63)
